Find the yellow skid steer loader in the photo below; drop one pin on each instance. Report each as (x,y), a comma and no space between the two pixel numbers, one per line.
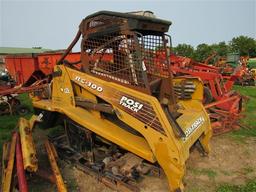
(122,111)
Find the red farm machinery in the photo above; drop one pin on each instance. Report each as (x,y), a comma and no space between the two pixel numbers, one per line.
(223,104)
(234,64)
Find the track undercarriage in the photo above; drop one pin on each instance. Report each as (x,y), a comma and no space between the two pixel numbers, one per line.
(108,163)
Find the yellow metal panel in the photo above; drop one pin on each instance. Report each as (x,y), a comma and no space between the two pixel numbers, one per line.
(104,128)
(4,159)
(27,145)
(198,94)
(161,144)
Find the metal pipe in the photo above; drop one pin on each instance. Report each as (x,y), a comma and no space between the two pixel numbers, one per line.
(220,102)
(23,187)
(6,147)
(56,172)
(70,47)
(106,108)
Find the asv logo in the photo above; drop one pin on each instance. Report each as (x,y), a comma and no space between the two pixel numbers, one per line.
(130,104)
(194,126)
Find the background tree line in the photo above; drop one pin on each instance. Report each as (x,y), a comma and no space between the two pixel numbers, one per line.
(245,46)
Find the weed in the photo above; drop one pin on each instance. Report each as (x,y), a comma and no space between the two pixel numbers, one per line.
(248,170)
(72,185)
(248,187)
(209,172)
(226,173)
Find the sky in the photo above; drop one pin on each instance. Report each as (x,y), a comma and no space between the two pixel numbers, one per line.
(53,24)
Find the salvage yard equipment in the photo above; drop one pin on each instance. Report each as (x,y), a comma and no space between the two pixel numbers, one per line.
(6,81)
(23,68)
(21,151)
(223,104)
(121,117)
(26,69)
(9,157)
(56,172)
(9,101)
(234,64)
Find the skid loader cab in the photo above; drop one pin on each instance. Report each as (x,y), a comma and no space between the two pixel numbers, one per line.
(124,94)
(123,48)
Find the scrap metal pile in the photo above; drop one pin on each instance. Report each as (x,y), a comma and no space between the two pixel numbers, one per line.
(234,64)
(9,101)
(20,158)
(127,107)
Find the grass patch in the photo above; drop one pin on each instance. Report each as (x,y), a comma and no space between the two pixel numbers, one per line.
(248,122)
(250,111)
(209,172)
(72,185)
(248,187)
(9,122)
(226,173)
(25,100)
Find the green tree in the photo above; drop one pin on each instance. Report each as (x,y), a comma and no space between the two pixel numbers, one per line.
(202,52)
(221,48)
(246,46)
(184,50)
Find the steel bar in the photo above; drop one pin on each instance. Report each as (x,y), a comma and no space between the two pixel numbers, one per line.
(59,180)
(28,147)
(23,186)
(4,159)
(96,106)
(20,90)
(220,102)
(67,51)
(9,170)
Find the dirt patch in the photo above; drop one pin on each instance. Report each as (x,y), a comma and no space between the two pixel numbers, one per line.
(77,180)
(230,162)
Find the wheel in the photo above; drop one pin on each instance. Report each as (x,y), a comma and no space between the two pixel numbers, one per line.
(207,96)
(22,110)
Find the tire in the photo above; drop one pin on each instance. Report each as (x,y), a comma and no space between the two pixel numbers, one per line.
(207,96)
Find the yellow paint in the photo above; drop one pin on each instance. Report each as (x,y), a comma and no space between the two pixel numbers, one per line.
(27,144)
(170,151)
(55,169)
(7,180)
(4,159)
